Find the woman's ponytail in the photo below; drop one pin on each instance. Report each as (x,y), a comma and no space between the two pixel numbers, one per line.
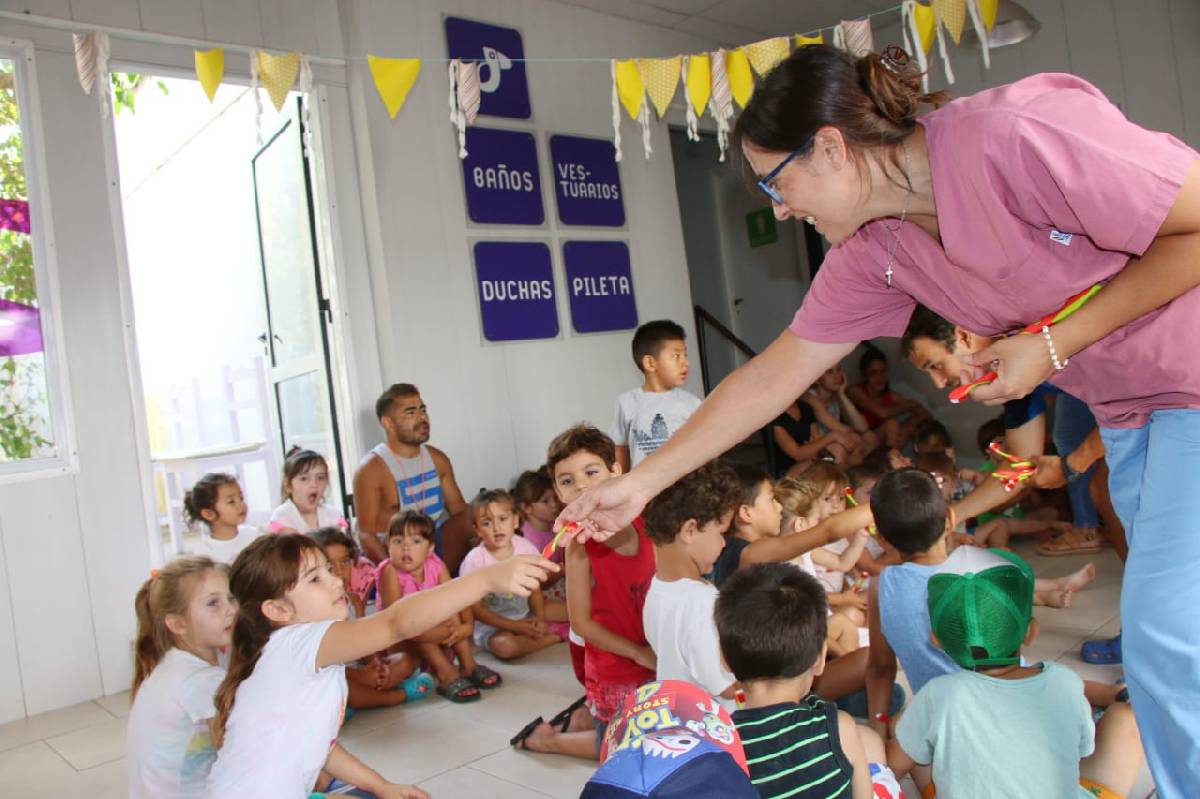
(893,82)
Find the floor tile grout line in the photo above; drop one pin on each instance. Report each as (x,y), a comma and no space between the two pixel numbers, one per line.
(522,786)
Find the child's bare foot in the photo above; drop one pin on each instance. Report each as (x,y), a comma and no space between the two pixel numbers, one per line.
(1054,598)
(541,739)
(1079,579)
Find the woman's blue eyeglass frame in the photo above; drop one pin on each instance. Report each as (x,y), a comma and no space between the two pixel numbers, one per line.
(764,183)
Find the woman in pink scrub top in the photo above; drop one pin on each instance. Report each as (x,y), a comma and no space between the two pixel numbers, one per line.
(993,210)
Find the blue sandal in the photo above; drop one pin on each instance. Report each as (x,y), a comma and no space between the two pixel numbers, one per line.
(418,686)
(1102,652)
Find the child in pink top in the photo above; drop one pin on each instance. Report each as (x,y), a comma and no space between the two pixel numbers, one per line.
(506,625)
(412,566)
(534,494)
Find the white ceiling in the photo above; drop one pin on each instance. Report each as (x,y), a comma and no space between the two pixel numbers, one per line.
(740,21)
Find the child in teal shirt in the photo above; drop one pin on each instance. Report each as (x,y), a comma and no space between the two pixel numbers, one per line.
(999,728)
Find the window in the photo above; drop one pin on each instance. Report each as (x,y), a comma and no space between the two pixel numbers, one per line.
(33,434)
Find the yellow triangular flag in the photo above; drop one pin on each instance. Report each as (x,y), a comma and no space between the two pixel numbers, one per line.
(210,68)
(741,81)
(988,9)
(661,78)
(630,87)
(394,77)
(926,25)
(277,74)
(699,81)
(953,15)
(766,54)
(803,41)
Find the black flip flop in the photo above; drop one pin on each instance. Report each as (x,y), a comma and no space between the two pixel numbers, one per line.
(563,717)
(518,740)
(455,691)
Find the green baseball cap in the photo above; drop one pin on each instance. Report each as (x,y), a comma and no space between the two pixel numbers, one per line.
(980,604)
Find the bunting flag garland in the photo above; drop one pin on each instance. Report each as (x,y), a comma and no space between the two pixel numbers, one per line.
(980,30)
(917,25)
(629,90)
(854,36)
(942,51)
(91,64)
(210,69)
(87,54)
(464,98)
(467,92)
(277,74)
(697,87)
(393,77)
(713,81)
(741,79)
(630,86)
(953,15)
(661,78)
(766,54)
(988,9)
(721,101)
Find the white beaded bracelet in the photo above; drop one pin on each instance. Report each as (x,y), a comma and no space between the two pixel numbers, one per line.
(1058,365)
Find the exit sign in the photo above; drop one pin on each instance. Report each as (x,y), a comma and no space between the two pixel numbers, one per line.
(760,227)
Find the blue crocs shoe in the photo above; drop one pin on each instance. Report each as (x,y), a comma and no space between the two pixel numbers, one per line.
(1102,652)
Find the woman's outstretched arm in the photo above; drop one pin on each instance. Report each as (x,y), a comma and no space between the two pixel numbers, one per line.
(749,398)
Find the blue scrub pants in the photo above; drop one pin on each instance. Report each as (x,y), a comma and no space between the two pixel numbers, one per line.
(1155,485)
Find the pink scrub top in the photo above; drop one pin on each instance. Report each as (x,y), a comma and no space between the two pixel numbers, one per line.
(1042,189)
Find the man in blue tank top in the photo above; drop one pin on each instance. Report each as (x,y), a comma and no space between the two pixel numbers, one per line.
(405,473)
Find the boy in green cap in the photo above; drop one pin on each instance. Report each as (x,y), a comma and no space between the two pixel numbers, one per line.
(999,728)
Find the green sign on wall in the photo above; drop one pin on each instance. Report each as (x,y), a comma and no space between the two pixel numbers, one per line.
(760,227)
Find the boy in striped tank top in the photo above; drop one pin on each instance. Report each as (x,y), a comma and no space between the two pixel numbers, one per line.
(771,624)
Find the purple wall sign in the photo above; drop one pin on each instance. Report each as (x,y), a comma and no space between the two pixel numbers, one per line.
(587,182)
(600,286)
(516,290)
(503,91)
(500,175)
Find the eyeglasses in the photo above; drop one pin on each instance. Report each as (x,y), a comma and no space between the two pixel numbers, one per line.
(769,178)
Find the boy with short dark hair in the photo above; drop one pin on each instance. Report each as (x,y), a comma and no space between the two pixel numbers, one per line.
(756,534)
(607,583)
(911,514)
(771,623)
(687,522)
(646,417)
(996,727)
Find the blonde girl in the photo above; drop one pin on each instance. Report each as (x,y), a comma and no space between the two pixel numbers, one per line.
(801,501)
(185,614)
(281,705)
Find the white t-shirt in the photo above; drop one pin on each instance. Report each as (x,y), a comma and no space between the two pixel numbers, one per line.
(288,515)
(644,420)
(679,624)
(226,551)
(168,746)
(833,581)
(284,722)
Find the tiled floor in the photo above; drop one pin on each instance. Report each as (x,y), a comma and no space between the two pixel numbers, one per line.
(462,751)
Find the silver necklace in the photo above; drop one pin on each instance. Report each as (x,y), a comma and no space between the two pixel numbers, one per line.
(895,231)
